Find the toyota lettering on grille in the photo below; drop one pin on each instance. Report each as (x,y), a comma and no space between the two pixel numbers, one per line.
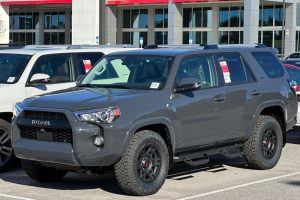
(40,123)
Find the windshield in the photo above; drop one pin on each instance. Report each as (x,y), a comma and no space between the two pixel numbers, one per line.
(130,72)
(12,67)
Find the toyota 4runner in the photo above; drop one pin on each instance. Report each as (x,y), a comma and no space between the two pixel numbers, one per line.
(141,111)
(35,70)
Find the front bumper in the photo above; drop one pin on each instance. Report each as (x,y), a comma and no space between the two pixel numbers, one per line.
(81,152)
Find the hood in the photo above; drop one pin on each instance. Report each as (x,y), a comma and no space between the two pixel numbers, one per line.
(76,99)
(2,85)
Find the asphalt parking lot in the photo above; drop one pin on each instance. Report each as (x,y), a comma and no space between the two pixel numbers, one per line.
(221,179)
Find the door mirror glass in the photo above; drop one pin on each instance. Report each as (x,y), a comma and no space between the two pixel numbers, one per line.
(40,79)
(188,84)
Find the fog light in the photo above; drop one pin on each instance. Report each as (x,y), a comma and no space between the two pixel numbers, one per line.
(99,141)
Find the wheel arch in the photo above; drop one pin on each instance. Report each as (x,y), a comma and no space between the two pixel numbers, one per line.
(162,126)
(7,116)
(275,109)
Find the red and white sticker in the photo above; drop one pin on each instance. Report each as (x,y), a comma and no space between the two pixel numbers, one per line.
(87,65)
(225,71)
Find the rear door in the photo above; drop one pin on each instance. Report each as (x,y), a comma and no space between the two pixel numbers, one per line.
(242,95)
(60,68)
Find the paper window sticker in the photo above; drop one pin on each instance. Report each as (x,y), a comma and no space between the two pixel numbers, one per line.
(227,78)
(11,79)
(154,85)
(87,65)
(224,67)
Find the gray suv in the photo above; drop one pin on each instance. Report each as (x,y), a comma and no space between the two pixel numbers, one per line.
(141,111)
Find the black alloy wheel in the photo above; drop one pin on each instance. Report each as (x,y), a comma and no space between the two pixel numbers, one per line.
(269,144)
(149,164)
(5,145)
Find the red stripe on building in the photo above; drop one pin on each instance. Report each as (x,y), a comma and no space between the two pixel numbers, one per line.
(123,2)
(191,1)
(30,2)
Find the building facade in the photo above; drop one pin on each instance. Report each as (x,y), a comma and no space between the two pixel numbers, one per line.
(142,22)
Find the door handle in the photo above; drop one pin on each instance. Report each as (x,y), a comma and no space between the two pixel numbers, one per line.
(219,98)
(255,92)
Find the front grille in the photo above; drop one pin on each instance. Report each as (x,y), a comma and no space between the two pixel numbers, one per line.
(55,135)
(45,115)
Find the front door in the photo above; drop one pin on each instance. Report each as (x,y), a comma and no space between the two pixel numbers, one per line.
(200,113)
(60,69)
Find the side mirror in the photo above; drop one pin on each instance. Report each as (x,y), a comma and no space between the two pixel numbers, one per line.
(188,84)
(40,79)
(79,79)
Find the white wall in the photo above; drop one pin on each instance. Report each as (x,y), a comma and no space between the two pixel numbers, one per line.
(85,21)
(4,24)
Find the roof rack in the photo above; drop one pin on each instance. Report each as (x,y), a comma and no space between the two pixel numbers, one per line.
(188,46)
(206,46)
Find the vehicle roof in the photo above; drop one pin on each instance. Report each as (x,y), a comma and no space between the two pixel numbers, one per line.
(180,51)
(159,51)
(54,50)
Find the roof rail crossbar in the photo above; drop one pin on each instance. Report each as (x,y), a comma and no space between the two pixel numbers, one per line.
(210,46)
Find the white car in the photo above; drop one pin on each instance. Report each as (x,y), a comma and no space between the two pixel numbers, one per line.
(35,70)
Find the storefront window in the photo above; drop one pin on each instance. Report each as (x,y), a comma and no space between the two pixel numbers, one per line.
(197,17)
(231,17)
(161,18)
(234,17)
(134,38)
(23,27)
(267,16)
(138,18)
(54,28)
(223,17)
(278,15)
(54,20)
(223,39)
(268,38)
(231,37)
(196,37)
(161,37)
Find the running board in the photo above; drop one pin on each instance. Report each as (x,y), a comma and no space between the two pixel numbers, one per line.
(202,157)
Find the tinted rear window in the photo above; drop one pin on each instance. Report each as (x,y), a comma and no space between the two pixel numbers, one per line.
(269,63)
(234,69)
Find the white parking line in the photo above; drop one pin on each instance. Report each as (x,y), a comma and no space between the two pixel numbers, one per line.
(15,197)
(239,186)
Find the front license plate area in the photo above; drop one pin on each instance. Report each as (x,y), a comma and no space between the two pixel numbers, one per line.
(43,135)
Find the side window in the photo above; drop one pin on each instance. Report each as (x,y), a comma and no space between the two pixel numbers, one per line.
(269,63)
(58,67)
(87,60)
(200,68)
(233,69)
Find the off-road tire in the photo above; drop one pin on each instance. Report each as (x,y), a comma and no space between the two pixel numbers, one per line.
(8,160)
(126,170)
(41,173)
(253,147)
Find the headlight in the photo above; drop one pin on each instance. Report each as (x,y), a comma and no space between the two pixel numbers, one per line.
(18,108)
(106,115)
